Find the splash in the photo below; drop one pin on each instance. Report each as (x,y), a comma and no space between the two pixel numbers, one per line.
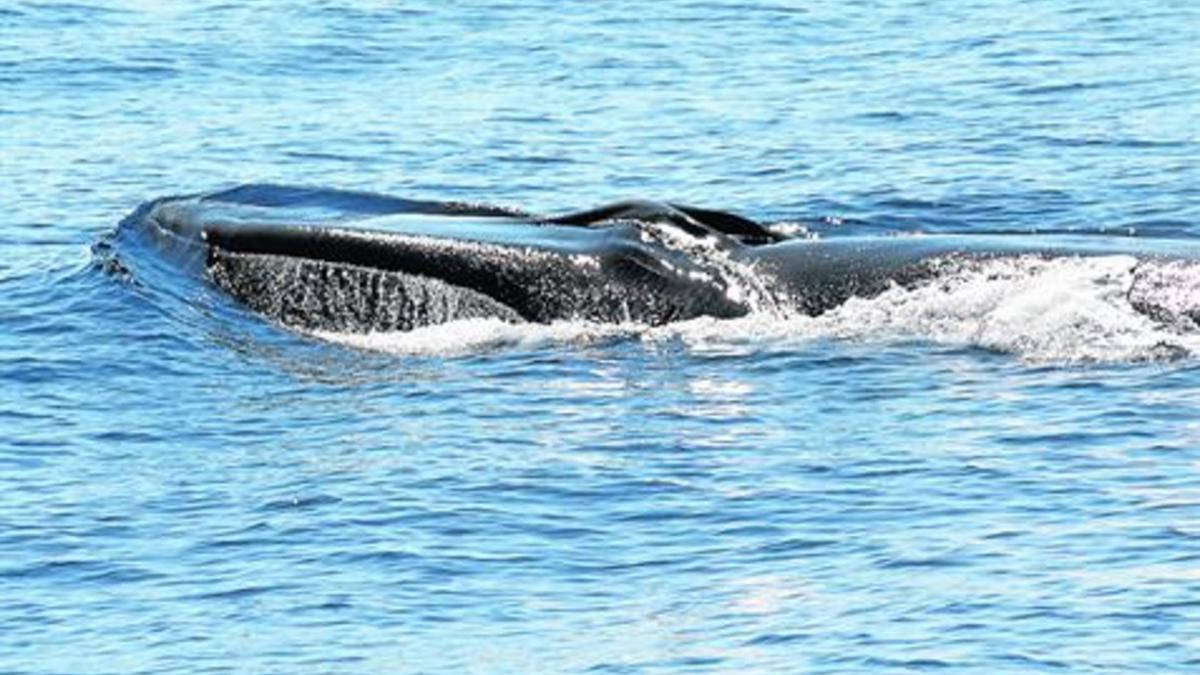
(742,282)
(1059,310)
(471,336)
(1067,310)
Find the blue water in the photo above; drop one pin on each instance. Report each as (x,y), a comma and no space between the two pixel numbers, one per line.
(1004,478)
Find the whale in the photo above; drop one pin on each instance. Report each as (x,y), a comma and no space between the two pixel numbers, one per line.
(341,260)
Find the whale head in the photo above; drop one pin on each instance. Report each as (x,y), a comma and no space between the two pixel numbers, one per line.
(352,262)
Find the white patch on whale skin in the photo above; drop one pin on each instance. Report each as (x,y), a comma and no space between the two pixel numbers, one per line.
(585,262)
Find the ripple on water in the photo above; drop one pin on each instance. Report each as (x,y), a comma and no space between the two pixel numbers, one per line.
(994,473)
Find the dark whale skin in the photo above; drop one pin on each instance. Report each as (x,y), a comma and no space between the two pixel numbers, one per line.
(318,258)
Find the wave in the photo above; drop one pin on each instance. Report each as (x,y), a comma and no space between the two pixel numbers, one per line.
(1107,309)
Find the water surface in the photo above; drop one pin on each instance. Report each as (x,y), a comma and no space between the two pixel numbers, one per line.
(1000,480)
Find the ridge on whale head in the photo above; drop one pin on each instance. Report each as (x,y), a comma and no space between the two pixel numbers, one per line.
(694,221)
(338,260)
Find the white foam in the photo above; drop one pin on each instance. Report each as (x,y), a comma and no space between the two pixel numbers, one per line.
(1067,309)
(469,336)
(1061,310)
(793,230)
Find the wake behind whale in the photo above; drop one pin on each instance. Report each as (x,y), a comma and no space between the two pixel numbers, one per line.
(348,264)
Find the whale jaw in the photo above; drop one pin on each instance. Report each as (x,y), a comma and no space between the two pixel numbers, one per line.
(620,285)
(317,295)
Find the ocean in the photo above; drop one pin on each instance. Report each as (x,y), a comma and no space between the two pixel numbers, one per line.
(998,476)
